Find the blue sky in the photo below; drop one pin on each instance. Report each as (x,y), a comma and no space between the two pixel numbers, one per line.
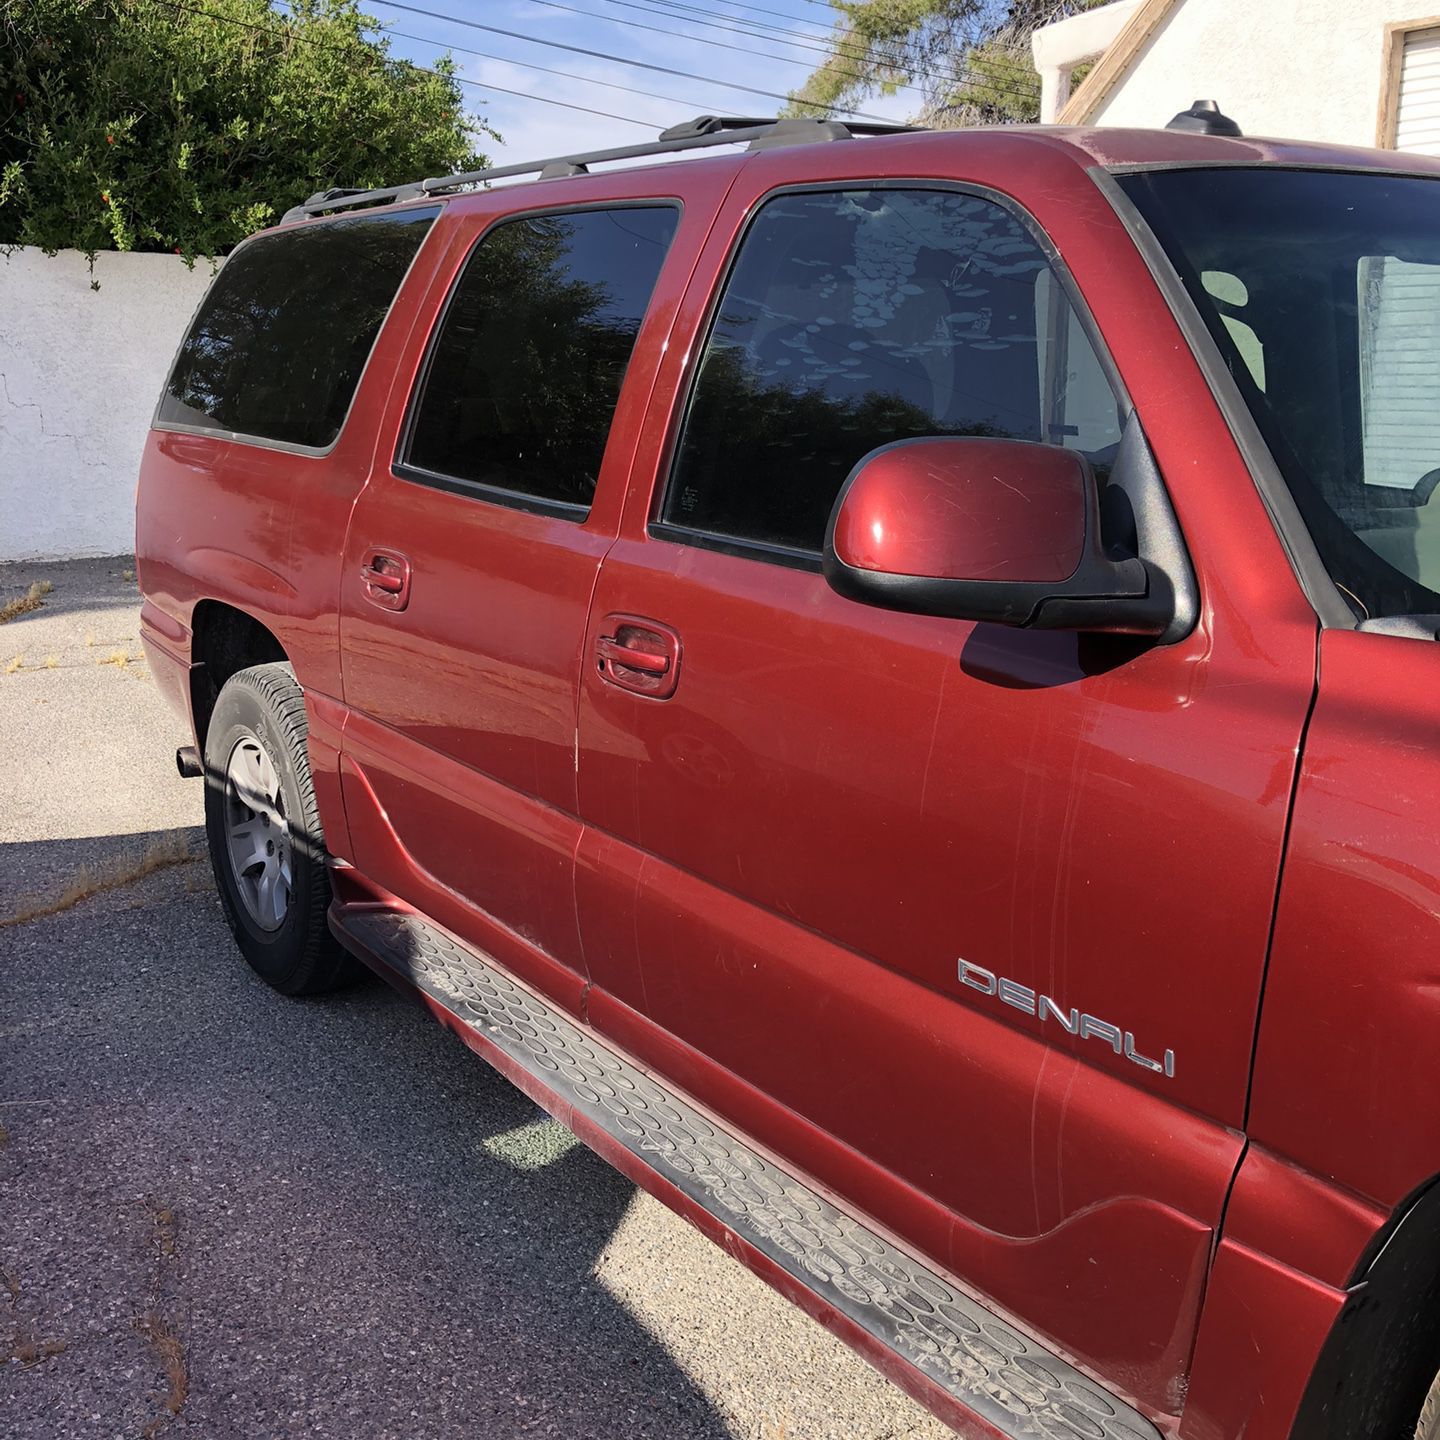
(765,60)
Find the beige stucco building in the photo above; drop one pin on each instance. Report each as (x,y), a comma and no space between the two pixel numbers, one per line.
(1351,72)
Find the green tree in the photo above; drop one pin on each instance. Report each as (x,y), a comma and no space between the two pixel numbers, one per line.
(184,125)
(969,60)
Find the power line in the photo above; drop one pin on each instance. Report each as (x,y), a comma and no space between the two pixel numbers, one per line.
(833,50)
(836,45)
(281,33)
(686,100)
(958,78)
(831,46)
(681,35)
(762,10)
(618,59)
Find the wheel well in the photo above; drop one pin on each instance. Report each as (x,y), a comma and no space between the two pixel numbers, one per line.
(223,641)
(1384,1350)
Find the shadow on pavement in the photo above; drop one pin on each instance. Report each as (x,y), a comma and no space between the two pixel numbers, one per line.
(327,1213)
(43,873)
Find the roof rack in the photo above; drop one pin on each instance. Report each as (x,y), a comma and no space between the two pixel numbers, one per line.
(697,134)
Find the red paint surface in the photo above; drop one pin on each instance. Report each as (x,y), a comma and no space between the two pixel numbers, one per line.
(966,510)
(1345,1071)
(1264,1326)
(761,885)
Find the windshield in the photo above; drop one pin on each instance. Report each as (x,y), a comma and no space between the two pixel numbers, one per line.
(1322,289)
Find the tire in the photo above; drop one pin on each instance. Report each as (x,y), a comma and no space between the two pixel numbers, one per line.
(267,848)
(1429,1426)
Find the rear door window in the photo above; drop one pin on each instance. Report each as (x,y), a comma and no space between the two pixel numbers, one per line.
(855,318)
(279,343)
(525,374)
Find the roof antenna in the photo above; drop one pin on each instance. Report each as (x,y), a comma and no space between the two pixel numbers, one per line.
(1204,117)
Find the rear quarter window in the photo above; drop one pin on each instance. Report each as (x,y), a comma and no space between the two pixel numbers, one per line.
(279,343)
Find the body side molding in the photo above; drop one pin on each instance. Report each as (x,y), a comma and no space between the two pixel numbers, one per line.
(932,1334)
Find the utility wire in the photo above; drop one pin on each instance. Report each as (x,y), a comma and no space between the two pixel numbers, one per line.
(833,50)
(285,33)
(959,77)
(834,46)
(618,59)
(749,50)
(829,47)
(818,34)
(686,100)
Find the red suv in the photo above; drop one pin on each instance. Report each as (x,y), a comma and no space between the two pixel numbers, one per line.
(885,679)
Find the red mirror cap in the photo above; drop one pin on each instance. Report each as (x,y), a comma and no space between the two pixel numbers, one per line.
(965,509)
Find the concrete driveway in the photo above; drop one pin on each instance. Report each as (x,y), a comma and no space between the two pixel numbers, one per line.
(227,1214)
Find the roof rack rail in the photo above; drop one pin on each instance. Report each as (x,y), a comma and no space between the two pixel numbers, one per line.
(697,134)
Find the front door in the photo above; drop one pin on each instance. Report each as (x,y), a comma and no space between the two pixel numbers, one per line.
(981,913)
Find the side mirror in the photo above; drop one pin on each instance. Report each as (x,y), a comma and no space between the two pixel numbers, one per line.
(978,529)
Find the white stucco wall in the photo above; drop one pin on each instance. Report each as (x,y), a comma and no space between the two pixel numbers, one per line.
(1302,69)
(80,371)
(1058,48)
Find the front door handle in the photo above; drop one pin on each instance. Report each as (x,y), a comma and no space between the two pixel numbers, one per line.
(608,647)
(385,574)
(642,656)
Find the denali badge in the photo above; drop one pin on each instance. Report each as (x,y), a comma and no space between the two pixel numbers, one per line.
(1087,1027)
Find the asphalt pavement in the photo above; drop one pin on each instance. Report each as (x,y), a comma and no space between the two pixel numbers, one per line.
(228,1214)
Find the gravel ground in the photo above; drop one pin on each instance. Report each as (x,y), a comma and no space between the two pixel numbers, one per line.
(227,1214)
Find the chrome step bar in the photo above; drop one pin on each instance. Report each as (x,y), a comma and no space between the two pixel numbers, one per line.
(1011,1381)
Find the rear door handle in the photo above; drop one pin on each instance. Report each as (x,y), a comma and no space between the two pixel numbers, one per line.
(642,656)
(385,575)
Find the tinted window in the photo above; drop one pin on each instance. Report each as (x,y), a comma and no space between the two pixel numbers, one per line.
(1322,290)
(279,343)
(855,318)
(527,368)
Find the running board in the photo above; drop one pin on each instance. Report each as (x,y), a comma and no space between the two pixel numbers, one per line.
(904,1307)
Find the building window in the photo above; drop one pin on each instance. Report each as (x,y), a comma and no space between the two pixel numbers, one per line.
(1410,89)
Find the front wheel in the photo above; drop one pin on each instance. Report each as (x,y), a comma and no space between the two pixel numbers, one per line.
(266,844)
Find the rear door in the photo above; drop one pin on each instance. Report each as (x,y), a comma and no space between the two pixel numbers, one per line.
(472,556)
(981,914)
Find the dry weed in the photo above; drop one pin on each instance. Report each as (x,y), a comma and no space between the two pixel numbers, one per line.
(32,599)
(158,1331)
(27,1350)
(171,1355)
(92,880)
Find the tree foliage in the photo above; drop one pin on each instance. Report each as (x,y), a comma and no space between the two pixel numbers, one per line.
(968,60)
(184,125)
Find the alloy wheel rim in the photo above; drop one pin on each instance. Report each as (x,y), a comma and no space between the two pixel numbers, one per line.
(257,835)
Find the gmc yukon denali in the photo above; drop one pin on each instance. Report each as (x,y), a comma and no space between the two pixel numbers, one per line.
(890,681)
